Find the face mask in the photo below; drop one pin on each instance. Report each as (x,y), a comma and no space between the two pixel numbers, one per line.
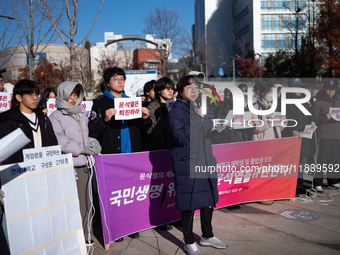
(269,97)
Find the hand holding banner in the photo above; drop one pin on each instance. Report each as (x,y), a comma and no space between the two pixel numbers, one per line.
(308,132)
(335,113)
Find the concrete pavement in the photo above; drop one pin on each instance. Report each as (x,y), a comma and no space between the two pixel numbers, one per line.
(254,229)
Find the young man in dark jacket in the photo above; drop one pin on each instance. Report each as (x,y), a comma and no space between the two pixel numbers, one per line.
(116,136)
(328,133)
(32,121)
(157,135)
(25,115)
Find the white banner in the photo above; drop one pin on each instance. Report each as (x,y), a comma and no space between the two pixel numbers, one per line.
(51,106)
(42,207)
(335,112)
(308,132)
(5,99)
(128,108)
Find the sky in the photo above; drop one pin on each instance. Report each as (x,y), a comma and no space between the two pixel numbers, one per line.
(125,17)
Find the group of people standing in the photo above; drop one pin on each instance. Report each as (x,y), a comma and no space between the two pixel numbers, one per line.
(184,130)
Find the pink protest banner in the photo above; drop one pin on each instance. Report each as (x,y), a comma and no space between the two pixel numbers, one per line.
(137,190)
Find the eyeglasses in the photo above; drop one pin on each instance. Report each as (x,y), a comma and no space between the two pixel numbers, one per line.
(32,95)
(118,80)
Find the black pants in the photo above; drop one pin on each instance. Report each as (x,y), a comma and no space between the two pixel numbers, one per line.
(329,155)
(187,218)
(83,182)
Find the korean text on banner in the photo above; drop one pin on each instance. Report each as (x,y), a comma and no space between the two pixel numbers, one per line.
(5,99)
(335,113)
(137,190)
(87,106)
(42,207)
(128,108)
(51,106)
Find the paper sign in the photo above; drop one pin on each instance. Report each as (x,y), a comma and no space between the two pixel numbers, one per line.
(169,104)
(87,106)
(42,207)
(308,132)
(11,143)
(335,112)
(5,99)
(40,153)
(51,106)
(239,121)
(277,119)
(128,108)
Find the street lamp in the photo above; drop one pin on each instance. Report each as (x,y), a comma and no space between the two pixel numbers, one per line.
(233,68)
(28,42)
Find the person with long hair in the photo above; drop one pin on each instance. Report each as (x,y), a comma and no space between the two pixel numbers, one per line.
(49,93)
(190,146)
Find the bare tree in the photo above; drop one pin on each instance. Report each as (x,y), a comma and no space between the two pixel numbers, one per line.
(68,35)
(165,24)
(8,31)
(41,30)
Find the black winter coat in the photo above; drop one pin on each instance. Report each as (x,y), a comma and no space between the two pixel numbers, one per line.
(157,134)
(190,147)
(294,113)
(108,133)
(13,119)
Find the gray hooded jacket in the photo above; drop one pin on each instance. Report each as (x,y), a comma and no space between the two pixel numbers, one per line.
(70,123)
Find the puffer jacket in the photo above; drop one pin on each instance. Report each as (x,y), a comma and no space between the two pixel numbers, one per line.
(327,129)
(189,147)
(71,136)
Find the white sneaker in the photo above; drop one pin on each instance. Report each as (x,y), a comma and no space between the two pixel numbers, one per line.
(192,249)
(318,189)
(212,242)
(336,185)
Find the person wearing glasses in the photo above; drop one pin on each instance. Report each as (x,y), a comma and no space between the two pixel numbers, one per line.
(116,136)
(24,114)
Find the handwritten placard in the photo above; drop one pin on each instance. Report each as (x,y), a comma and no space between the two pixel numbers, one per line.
(128,108)
(308,132)
(87,106)
(5,99)
(277,119)
(51,106)
(169,104)
(239,121)
(335,113)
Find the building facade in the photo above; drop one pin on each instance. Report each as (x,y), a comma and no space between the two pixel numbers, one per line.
(14,58)
(232,27)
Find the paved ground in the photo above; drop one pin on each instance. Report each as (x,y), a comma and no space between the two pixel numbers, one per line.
(254,229)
